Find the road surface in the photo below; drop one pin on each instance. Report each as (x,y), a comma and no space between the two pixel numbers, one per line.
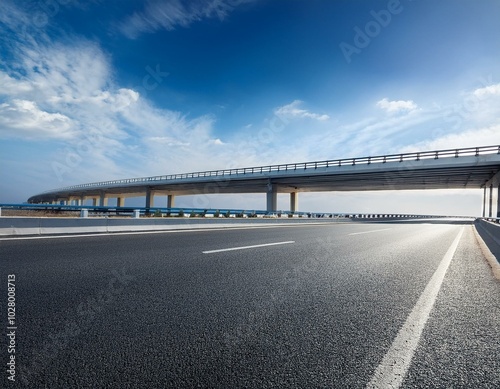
(353,305)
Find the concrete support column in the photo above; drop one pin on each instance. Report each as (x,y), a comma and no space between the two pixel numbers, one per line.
(491,199)
(484,202)
(120,201)
(490,208)
(294,201)
(94,201)
(82,200)
(272,198)
(496,203)
(170,201)
(103,201)
(150,198)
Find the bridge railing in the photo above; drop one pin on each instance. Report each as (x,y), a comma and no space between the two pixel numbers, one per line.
(414,156)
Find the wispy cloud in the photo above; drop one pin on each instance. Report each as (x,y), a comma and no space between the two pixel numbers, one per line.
(294,111)
(474,137)
(11,16)
(369,136)
(487,91)
(12,86)
(171,14)
(65,95)
(60,89)
(397,105)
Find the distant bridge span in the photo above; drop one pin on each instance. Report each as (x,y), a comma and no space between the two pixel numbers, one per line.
(475,167)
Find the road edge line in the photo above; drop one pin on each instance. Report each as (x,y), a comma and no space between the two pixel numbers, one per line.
(394,366)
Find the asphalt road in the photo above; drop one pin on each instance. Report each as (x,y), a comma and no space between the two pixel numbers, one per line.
(316,307)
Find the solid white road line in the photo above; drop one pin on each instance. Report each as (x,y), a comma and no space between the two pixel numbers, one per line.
(246,247)
(369,232)
(393,368)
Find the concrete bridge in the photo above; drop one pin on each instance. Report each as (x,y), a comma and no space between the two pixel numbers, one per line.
(475,167)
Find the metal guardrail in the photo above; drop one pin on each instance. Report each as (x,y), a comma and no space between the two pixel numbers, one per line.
(117,211)
(416,156)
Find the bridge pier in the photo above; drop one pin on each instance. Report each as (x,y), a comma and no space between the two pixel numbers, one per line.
(272,198)
(103,200)
(495,199)
(94,201)
(294,202)
(120,201)
(170,201)
(491,197)
(484,202)
(490,212)
(150,199)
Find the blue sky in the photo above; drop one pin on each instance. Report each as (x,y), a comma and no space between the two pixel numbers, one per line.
(98,90)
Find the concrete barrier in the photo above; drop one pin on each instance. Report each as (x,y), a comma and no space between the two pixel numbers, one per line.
(19,226)
(72,226)
(490,234)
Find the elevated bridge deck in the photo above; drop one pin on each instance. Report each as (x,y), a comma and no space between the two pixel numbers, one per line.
(476,167)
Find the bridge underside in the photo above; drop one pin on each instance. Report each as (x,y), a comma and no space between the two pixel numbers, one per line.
(447,173)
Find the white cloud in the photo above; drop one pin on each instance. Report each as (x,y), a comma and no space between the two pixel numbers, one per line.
(67,74)
(217,142)
(397,106)
(24,119)
(168,15)
(487,91)
(293,111)
(65,92)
